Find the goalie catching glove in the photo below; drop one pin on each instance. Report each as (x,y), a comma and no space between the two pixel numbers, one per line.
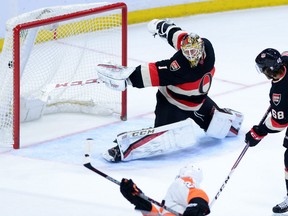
(114,76)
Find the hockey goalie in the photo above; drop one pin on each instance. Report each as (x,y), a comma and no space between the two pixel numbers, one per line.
(183,83)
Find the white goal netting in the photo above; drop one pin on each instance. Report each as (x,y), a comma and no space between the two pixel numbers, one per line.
(47,63)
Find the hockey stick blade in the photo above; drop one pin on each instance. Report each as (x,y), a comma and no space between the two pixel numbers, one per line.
(89,166)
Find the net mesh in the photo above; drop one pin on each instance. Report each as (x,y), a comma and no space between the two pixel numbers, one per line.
(57,62)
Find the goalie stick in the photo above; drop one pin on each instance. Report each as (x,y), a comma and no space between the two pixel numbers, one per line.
(89,166)
(237,162)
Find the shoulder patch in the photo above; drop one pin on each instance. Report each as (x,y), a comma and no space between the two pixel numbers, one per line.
(174,66)
(276,98)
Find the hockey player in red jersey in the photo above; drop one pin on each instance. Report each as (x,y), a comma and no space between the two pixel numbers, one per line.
(183,81)
(183,196)
(274,66)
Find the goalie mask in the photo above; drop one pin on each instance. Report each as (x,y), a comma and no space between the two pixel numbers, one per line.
(191,171)
(269,62)
(192,47)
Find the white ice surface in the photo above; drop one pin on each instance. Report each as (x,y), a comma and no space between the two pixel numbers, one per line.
(46,176)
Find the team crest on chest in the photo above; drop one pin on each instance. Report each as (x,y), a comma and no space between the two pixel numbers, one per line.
(276,98)
(174,66)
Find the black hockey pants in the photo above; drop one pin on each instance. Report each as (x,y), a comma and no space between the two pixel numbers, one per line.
(167,113)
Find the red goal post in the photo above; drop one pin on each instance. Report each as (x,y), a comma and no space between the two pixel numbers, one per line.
(61,44)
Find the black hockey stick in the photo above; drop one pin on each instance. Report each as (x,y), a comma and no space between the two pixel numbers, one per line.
(89,166)
(237,161)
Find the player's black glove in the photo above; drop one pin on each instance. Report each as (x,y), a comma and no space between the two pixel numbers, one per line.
(197,207)
(255,135)
(130,191)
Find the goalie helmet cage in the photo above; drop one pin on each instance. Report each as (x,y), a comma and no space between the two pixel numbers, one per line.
(62,44)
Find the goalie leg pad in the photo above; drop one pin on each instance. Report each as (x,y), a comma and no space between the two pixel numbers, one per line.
(162,142)
(236,123)
(220,124)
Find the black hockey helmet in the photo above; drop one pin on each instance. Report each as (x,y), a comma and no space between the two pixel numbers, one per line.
(269,61)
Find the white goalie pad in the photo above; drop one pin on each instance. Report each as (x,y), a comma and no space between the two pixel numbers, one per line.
(114,76)
(224,124)
(156,141)
(236,123)
(31,109)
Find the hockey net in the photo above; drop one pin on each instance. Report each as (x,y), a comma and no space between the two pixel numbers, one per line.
(47,64)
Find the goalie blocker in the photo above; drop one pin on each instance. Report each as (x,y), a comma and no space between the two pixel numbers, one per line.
(168,138)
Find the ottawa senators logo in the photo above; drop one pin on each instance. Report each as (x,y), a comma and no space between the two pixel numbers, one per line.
(276,98)
(174,66)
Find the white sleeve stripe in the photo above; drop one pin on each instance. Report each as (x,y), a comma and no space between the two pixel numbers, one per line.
(146,75)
